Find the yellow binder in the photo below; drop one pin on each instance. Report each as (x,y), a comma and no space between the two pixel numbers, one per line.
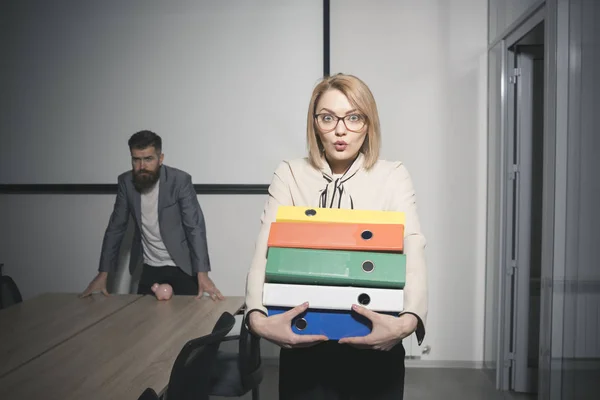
(337,215)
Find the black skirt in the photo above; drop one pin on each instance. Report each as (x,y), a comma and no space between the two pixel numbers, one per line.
(336,371)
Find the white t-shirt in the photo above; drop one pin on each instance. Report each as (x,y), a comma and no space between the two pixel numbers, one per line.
(155,251)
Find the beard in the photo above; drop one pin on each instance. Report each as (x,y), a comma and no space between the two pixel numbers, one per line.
(145,179)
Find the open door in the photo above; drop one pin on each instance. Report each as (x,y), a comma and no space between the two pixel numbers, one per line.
(524,207)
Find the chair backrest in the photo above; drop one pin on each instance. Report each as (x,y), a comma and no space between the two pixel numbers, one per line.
(250,362)
(190,374)
(149,394)
(9,292)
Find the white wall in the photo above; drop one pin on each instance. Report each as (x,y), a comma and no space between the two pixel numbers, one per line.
(425,62)
(211,77)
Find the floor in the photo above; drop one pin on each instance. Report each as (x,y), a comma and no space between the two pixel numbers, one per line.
(421,384)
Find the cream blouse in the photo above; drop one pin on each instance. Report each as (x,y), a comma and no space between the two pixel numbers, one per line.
(385,186)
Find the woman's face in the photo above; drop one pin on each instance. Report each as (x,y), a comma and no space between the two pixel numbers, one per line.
(342,139)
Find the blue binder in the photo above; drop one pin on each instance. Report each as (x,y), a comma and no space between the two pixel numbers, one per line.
(332,323)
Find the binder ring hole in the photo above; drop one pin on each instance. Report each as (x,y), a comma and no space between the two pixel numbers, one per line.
(364,299)
(366,235)
(300,324)
(368,266)
(310,212)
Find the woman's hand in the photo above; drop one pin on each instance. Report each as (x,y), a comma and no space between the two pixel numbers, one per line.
(278,329)
(387,330)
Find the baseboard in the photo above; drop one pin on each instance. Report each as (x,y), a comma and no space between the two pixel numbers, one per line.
(410,363)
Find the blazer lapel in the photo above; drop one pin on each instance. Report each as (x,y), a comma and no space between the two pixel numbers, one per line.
(163,193)
(137,207)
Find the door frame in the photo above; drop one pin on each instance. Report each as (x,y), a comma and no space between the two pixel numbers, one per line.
(505,356)
(556,16)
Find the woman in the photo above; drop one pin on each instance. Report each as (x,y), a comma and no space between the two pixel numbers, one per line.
(342,170)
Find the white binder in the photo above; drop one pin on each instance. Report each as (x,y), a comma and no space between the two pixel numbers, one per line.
(333,297)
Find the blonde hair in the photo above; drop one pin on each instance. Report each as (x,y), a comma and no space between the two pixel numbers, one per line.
(360,96)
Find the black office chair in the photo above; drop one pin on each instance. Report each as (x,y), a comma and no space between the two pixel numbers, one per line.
(193,366)
(149,394)
(9,292)
(235,374)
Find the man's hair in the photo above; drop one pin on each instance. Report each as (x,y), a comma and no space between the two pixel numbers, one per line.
(143,139)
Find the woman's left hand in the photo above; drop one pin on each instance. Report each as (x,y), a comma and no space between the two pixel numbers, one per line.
(387,330)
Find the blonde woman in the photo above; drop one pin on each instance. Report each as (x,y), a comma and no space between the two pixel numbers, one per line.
(342,170)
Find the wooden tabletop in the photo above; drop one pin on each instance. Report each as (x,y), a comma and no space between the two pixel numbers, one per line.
(121,355)
(35,326)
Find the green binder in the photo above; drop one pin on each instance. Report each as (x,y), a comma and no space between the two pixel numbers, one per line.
(336,267)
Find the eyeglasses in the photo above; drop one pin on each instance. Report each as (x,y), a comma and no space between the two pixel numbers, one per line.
(352,122)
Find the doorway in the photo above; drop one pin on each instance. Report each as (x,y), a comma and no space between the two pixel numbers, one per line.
(523,211)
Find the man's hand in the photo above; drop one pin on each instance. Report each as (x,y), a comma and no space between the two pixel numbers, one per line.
(387,331)
(205,284)
(98,284)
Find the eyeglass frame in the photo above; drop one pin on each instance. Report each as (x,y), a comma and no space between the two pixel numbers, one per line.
(338,121)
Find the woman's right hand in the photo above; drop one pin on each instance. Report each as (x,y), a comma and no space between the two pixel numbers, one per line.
(278,329)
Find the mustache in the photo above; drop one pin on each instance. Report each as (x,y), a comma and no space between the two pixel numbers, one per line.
(144,175)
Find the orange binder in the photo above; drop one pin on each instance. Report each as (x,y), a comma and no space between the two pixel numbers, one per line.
(337,236)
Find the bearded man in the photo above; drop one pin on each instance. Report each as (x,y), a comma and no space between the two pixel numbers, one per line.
(170,232)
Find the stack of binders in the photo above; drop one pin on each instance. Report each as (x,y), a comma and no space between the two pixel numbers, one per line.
(334,258)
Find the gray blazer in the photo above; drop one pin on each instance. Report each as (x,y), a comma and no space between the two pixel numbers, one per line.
(180,219)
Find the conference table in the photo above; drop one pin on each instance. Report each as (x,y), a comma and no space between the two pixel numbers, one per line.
(60,346)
